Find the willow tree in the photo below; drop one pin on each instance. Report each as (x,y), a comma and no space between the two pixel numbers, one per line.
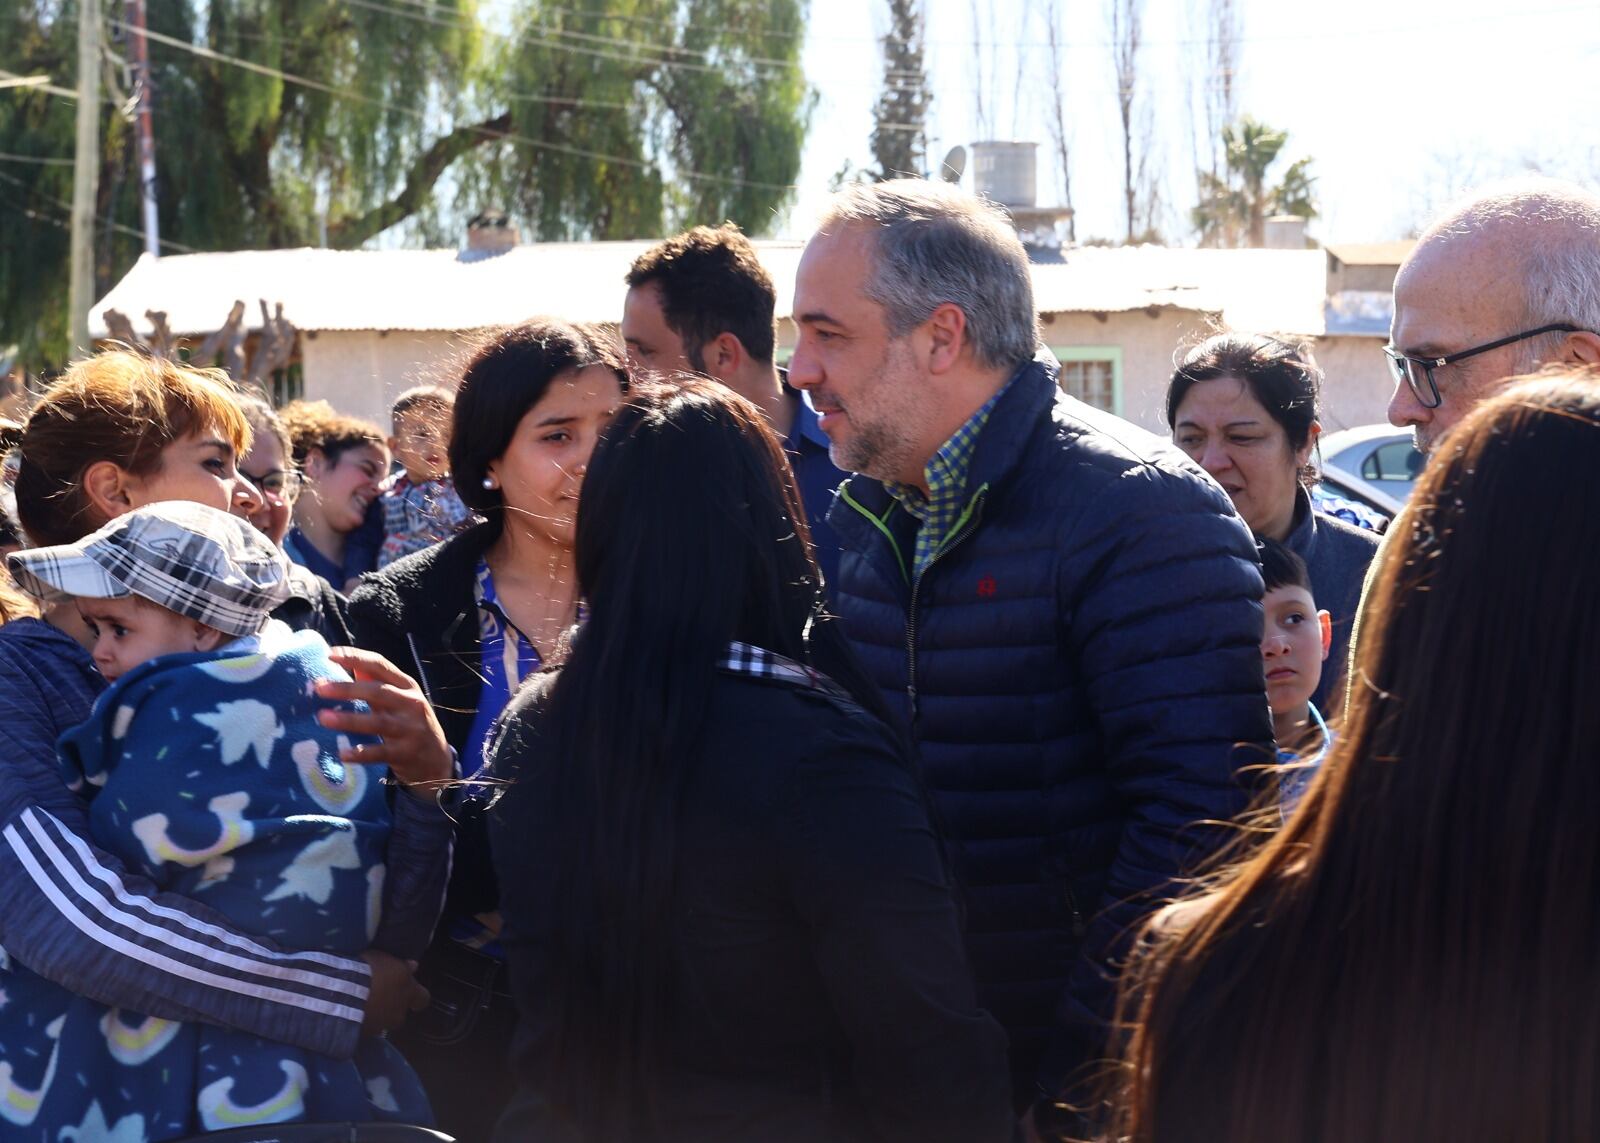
(273,118)
(297,122)
(639,116)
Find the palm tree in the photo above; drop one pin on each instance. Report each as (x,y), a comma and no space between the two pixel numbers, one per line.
(1235,204)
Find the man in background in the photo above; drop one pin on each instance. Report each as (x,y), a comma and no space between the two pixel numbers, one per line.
(702,302)
(1503,283)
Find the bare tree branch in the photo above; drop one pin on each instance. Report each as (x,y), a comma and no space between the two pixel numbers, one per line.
(1060,135)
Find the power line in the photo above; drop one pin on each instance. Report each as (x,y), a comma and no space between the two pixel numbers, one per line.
(119,227)
(384,105)
(427,16)
(36,160)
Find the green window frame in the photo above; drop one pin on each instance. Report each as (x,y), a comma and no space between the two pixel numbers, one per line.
(1083,355)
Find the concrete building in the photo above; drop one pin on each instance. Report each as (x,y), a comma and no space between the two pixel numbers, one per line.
(372,323)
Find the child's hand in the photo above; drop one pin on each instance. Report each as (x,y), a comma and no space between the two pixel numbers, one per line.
(411,742)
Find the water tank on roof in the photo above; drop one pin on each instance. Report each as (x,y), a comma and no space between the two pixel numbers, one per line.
(1006,172)
(1285,232)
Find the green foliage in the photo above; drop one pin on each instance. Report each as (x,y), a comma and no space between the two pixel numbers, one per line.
(647,116)
(1234,205)
(594,118)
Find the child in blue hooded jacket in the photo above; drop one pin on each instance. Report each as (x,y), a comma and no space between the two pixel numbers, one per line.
(207,770)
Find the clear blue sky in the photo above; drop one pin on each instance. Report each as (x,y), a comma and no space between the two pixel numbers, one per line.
(1401,103)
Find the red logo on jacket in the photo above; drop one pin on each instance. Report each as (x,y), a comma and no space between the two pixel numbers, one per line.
(986,587)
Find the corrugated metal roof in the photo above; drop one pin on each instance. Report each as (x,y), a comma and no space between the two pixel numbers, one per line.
(1277,290)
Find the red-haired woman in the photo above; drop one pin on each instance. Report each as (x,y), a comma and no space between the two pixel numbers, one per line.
(119,431)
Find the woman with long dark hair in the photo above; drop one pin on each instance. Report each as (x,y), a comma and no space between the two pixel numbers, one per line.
(726,913)
(473,617)
(1414,955)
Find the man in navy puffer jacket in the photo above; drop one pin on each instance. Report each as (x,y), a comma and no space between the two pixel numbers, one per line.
(1066,616)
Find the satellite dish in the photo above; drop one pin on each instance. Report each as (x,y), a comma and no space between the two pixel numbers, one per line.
(955,163)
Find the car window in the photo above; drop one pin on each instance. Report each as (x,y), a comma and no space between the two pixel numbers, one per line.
(1395,461)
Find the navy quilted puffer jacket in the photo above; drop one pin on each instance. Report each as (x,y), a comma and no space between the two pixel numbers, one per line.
(1077,668)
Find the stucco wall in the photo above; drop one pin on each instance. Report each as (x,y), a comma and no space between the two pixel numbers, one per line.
(359,372)
(1150,344)
(1357,383)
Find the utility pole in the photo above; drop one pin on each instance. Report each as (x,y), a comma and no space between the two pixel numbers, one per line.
(139,49)
(85,175)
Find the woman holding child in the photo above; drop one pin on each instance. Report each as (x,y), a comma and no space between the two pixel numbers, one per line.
(473,617)
(120,431)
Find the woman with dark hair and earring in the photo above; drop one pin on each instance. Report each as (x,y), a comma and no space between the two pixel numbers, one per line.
(471,618)
(1413,956)
(1244,407)
(726,913)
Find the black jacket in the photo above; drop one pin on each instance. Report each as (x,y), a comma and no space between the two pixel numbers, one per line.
(420,614)
(1075,669)
(819,990)
(313,605)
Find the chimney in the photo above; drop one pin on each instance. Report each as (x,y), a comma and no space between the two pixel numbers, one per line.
(1285,232)
(491,232)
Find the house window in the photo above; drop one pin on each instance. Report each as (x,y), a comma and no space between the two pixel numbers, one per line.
(1093,374)
(288,384)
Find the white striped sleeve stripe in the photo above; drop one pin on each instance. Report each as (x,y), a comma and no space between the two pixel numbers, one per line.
(90,867)
(46,862)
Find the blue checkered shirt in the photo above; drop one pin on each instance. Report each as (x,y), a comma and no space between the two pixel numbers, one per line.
(946,473)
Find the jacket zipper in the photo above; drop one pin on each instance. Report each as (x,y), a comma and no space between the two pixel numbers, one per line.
(965,526)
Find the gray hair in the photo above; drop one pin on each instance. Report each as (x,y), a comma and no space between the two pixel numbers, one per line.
(1554,227)
(937,244)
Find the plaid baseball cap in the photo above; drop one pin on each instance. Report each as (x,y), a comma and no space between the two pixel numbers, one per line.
(198,561)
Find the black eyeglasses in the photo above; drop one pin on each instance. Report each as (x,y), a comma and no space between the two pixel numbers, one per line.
(1417,372)
(278,482)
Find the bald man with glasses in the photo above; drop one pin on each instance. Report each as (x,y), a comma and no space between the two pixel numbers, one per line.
(1504,283)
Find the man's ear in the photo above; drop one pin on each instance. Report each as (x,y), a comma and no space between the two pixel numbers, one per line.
(207,638)
(724,355)
(947,333)
(107,485)
(1583,347)
(1326,622)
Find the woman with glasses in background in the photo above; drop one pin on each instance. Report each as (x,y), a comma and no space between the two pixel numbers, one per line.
(313,604)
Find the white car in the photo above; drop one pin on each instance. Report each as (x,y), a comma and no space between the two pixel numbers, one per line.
(1375,464)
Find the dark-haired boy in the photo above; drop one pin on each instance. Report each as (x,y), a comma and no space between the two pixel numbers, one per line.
(701,302)
(1294,644)
(419,504)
